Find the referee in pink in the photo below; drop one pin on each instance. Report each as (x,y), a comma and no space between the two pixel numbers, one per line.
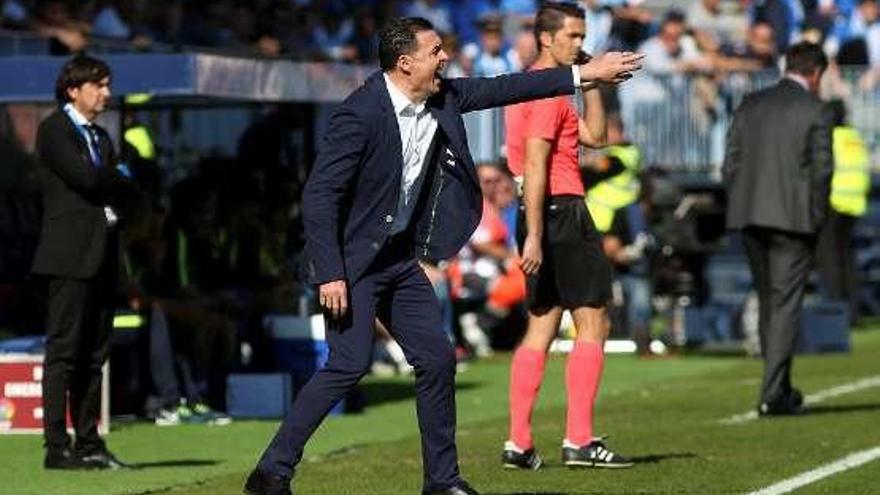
(561,251)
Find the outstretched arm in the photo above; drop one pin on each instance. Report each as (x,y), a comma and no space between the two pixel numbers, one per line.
(480,93)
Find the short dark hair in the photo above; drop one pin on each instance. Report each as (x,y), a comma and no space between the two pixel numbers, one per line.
(551,16)
(804,58)
(673,16)
(398,37)
(77,71)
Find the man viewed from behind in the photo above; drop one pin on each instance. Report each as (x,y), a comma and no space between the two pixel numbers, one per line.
(561,251)
(777,168)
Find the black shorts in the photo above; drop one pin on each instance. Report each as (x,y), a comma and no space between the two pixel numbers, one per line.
(575,271)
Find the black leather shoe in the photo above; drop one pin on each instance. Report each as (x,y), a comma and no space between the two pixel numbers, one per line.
(511,458)
(593,455)
(62,459)
(461,488)
(103,459)
(261,483)
(793,405)
(781,409)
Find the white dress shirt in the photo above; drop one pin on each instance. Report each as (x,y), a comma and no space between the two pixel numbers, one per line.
(417,129)
(81,123)
(94,151)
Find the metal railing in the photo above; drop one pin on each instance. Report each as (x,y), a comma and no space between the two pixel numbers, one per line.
(680,122)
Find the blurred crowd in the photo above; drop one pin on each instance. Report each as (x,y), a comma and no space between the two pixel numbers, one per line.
(216,252)
(686,35)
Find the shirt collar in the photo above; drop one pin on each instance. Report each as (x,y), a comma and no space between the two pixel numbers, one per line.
(400,101)
(799,80)
(77,117)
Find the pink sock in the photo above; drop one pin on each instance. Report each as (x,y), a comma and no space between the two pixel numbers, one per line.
(526,372)
(583,371)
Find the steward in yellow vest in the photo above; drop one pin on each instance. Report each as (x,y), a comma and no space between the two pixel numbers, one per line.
(621,189)
(851,181)
(850,186)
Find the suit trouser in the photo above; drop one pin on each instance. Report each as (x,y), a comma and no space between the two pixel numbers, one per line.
(162,360)
(395,290)
(78,327)
(836,260)
(780,263)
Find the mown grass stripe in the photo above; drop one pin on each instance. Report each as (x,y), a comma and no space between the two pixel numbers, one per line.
(851,461)
(820,396)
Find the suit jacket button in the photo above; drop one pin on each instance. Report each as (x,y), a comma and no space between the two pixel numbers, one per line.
(374,245)
(389,219)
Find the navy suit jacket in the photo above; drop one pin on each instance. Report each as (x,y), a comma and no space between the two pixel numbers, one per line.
(350,198)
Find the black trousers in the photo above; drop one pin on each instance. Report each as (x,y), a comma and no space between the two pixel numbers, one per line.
(78,326)
(835,259)
(780,263)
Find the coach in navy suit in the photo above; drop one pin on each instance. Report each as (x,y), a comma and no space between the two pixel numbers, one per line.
(394,183)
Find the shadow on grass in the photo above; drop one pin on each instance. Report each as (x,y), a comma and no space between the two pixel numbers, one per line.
(843,408)
(175,463)
(378,392)
(527,493)
(642,459)
(655,458)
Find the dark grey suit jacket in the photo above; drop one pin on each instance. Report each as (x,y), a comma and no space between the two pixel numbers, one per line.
(778,163)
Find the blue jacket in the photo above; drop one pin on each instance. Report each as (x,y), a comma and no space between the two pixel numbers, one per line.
(351,195)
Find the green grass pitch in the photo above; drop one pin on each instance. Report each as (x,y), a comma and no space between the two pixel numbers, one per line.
(663,412)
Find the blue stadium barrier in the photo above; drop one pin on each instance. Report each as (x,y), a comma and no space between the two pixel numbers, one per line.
(714,322)
(258,395)
(299,348)
(23,46)
(729,279)
(192,75)
(34,344)
(824,328)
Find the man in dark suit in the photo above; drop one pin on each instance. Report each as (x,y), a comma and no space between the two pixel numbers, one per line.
(778,169)
(78,256)
(394,182)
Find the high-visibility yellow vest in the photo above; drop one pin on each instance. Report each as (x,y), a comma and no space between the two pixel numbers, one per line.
(618,191)
(140,139)
(851,181)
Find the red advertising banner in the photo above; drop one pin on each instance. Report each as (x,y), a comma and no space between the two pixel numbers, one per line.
(21,395)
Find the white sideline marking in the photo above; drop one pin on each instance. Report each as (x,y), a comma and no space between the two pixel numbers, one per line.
(853,460)
(820,396)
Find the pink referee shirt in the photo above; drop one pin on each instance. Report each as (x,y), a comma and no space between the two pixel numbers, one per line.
(553,119)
